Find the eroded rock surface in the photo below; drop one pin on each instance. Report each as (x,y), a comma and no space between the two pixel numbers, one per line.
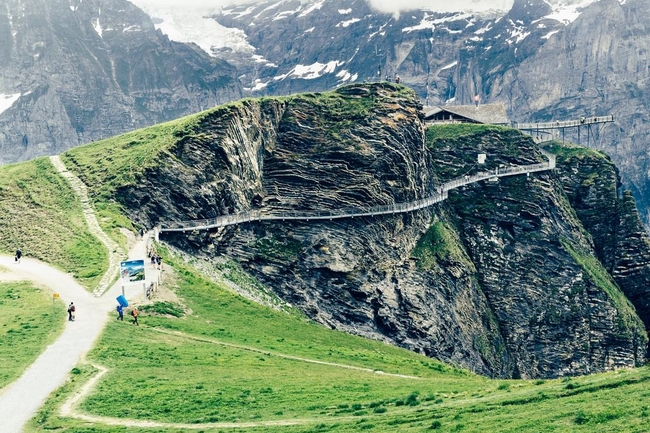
(503,278)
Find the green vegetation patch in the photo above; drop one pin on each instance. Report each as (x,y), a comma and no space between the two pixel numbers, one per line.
(235,361)
(29,321)
(164,308)
(41,215)
(439,243)
(628,320)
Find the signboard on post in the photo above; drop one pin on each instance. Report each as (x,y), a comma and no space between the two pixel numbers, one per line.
(132,271)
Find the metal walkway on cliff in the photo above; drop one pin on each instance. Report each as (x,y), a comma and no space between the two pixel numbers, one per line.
(440,195)
(545,128)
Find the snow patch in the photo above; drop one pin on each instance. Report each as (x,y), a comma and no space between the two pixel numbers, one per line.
(345,11)
(238,14)
(566,11)
(449,66)
(429,23)
(346,76)
(257,86)
(310,72)
(286,14)
(6,101)
(348,22)
(517,34)
(311,8)
(132,29)
(549,34)
(260,59)
(98,28)
(193,26)
(309,30)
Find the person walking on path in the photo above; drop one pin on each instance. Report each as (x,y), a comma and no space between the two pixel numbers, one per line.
(134,314)
(120,312)
(19,254)
(71,310)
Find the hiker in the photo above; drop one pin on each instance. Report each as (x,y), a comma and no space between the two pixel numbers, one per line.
(19,254)
(71,310)
(159,262)
(120,312)
(134,314)
(141,233)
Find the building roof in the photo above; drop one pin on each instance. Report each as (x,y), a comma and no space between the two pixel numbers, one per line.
(484,113)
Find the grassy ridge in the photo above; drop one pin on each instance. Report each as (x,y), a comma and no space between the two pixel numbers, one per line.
(40,214)
(28,323)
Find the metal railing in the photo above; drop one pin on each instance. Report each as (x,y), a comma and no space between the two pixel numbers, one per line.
(440,195)
(583,121)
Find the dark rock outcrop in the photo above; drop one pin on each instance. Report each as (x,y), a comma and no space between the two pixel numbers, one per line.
(622,245)
(503,278)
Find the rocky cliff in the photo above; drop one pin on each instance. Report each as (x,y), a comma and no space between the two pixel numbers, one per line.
(74,71)
(505,278)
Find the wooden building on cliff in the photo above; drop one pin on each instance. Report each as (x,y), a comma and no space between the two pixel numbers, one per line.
(493,114)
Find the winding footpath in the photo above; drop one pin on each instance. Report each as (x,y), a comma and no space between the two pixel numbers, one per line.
(20,400)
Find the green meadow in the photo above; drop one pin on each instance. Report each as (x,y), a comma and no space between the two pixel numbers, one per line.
(29,321)
(228,361)
(41,215)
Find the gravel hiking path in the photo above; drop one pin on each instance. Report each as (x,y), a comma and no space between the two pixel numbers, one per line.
(20,400)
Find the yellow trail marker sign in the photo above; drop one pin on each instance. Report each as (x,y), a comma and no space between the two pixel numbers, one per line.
(55,296)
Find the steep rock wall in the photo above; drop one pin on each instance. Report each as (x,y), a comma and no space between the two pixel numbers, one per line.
(502,278)
(533,261)
(593,186)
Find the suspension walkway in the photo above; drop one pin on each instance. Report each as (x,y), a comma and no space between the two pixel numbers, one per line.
(397,208)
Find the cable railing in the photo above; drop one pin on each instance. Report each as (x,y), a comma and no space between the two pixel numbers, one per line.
(396,208)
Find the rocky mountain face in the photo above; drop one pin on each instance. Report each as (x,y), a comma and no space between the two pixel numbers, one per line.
(74,71)
(597,64)
(546,60)
(505,278)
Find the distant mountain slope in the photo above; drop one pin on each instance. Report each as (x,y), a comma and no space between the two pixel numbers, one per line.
(73,71)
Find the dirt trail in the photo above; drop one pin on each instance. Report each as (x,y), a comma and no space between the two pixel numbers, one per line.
(282,355)
(115,252)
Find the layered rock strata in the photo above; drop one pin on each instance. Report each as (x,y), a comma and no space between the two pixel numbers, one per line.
(503,278)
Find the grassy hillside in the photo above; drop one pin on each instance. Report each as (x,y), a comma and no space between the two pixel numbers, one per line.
(229,361)
(41,215)
(28,322)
